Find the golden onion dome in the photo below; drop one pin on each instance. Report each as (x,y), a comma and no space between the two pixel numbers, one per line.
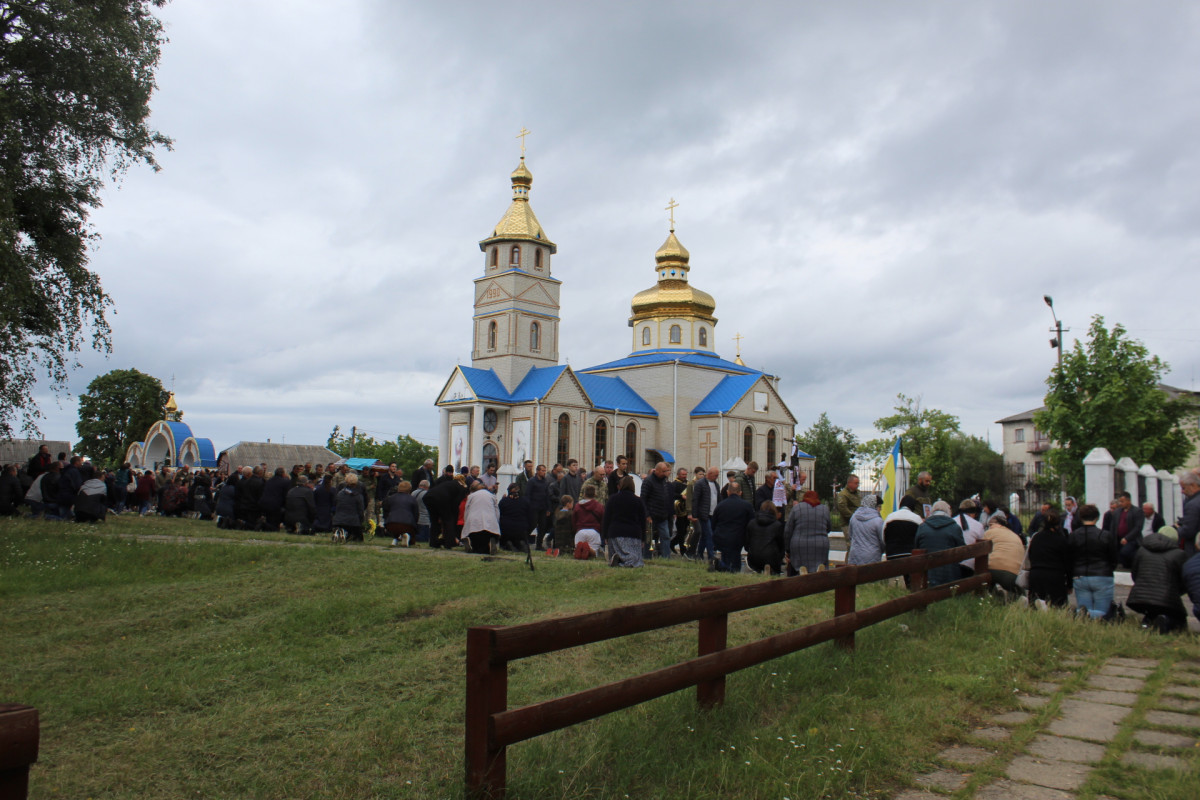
(673,295)
(672,250)
(171,404)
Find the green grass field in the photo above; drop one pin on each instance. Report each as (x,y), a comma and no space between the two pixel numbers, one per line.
(221,669)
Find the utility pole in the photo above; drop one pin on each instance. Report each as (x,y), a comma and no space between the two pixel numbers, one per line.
(1057,342)
(353,433)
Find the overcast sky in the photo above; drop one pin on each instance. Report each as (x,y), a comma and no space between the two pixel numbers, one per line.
(876,194)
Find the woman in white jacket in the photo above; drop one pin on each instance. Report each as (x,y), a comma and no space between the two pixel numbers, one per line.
(481,519)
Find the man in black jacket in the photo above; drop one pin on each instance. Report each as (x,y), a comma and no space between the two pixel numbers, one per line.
(704,501)
(1125,523)
(245,499)
(730,519)
(270,502)
(656,497)
(299,507)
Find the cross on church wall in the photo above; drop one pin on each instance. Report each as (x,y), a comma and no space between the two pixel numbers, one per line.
(707,446)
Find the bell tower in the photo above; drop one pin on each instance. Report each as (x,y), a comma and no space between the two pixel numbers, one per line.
(516,299)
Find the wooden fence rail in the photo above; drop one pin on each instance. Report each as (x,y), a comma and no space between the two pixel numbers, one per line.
(491,726)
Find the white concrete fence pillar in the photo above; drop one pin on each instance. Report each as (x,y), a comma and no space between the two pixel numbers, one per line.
(1129,469)
(1168,509)
(1177,495)
(1098,467)
(1150,475)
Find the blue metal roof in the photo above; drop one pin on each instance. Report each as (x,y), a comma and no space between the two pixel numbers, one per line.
(536,383)
(726,394)
(180,432)
(667,457)
(614,394)
(667,356)
(207,451)
(486,384)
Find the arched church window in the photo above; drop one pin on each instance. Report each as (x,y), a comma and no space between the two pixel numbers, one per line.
(676,334)
(771,445)
(535,336)
(704,337)
(601,439)
(631,445)
(495,256)
(514,256)
(564,437)
(646,335)
(491,457)
(748,445)
(492,335)
(537,258)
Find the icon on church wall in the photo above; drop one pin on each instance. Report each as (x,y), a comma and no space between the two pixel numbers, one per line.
(520,442)
(458,445)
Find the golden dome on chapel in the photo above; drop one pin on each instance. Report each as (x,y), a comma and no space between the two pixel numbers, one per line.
(673,296)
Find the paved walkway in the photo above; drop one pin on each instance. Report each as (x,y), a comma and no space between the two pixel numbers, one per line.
(1061,749)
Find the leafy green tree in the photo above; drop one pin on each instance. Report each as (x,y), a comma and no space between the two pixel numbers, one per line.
(835,449)
(1107,393)
(407,452)
(75,86)
(978,469)
(928,441)
(117,408)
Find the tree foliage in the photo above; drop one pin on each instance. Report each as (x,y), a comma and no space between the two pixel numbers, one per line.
(407,452)
(929,436)
(1107,394)
(835,448)
(978,469)
(75,86)
(117,408)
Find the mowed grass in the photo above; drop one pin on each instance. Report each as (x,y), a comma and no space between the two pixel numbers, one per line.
(221,669)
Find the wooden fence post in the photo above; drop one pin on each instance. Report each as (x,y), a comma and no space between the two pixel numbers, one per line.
(713,635)
(981,566)
(19,734)
(487,694)
(843,603)
(919,581)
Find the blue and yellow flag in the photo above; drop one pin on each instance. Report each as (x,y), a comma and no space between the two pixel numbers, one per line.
(891,498)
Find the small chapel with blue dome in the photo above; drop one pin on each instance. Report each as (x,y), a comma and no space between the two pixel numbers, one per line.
(170,442)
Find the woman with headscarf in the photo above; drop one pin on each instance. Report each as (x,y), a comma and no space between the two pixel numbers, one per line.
(865,531)
(807,535)
(940,532)
(625,525)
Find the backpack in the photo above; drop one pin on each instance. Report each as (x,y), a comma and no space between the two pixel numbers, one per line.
(583,551)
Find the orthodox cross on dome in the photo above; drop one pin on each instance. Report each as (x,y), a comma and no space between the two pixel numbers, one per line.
(738,339)
(522,136)
(671,206)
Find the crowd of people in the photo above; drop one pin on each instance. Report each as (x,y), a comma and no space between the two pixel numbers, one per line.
(770,526)
(1067,550)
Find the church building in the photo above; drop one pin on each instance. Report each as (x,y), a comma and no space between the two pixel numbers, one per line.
(672,398)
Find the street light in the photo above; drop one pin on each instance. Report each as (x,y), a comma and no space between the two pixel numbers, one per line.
(1057,341)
